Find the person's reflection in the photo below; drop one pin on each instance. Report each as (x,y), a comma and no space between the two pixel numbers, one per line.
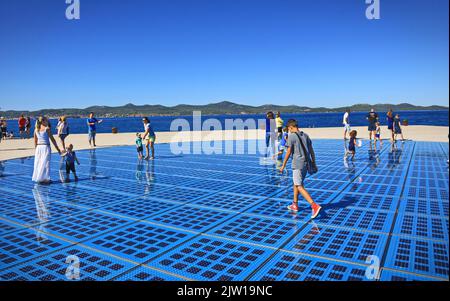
(350,168)
(139,170)
(395,155)
(374,157)
(62,171)
(149,177)
(41,199)
(93,164)
(302,241)
(2,168)
(71,194)
(272,175)
(345,150)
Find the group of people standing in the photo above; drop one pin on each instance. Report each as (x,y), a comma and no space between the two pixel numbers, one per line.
(24,124)
(43,138)
(24,127)
(374,128)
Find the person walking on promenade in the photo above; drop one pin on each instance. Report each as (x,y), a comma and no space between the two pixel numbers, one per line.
(346,123)
(351,149)
(149,138)
(390,122)
(92,128)
(280,123)
(22,126)
(42,139)
(63,130)
(270,133)
(28,127)
(4,128)
(398,128)
(303,161)
(1,129)
(372,117)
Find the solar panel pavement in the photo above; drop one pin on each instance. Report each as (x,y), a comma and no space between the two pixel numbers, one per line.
(223,217)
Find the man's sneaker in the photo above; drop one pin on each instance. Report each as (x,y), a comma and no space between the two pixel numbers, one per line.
(293,207)
(315,210)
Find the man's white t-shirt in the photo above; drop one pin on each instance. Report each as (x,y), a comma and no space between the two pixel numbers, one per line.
(345,119)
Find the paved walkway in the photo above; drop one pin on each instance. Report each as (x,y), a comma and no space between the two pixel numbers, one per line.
(224,217)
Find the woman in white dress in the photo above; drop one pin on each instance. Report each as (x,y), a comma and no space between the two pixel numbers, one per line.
(42,137)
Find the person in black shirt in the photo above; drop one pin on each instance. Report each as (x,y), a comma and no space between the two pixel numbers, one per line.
(372,117)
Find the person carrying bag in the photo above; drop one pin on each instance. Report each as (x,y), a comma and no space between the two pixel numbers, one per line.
(308,153)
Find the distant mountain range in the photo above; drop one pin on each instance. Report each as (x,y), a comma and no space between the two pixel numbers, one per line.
(224,107)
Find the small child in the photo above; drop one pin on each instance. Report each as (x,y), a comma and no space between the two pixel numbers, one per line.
(378,136)
(70,158)
(139,146)
(282,143)
(351,145)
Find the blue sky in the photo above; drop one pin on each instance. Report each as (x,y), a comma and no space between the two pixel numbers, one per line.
(312,52)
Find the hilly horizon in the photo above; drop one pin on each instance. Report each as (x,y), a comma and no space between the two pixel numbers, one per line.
(223,107)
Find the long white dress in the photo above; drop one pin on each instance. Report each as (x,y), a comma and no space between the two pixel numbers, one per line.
(41,172)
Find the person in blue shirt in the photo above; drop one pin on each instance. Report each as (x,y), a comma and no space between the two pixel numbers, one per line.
(390,122)
(70,158)
(92,128)
(352,145)
(282,143)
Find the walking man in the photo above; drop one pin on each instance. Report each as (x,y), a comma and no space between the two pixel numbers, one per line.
(92,128)
(300,148)
(346,123)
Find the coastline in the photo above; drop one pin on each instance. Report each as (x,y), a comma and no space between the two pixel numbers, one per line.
(13,149)
(183,114)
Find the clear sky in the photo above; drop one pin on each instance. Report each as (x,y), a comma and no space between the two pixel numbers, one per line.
(305,52)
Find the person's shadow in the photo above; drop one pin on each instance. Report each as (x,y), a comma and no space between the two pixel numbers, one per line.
(344,203)
(169,156)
